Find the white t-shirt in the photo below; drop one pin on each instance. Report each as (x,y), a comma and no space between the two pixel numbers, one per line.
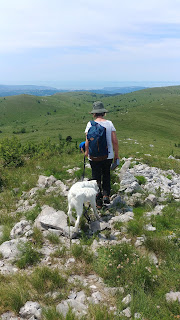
(109,128)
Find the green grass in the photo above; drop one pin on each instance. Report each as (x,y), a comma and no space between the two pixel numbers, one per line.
(53,238)
(122,265)
(6,234)
(169,222)
(14,292)
(150,117)
(32,214)
(28,256)
(45,279)
(81,253)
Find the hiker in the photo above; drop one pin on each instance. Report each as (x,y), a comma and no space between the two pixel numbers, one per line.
(82,146)
(101,165)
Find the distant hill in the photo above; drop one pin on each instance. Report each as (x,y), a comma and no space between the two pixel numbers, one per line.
(12,90)
(117,90)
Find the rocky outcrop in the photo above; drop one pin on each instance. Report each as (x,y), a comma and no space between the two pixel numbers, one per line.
(157,187)
(166,182)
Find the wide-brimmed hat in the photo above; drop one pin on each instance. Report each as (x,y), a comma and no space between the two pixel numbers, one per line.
(98,107)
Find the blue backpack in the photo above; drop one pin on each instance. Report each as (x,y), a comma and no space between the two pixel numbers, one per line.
(96,136)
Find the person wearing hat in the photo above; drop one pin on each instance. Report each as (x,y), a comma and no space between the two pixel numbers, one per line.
(101,169)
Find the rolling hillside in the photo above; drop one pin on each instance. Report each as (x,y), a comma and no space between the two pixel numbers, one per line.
(150,118)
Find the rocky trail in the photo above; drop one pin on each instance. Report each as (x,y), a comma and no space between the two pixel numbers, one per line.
(157,187)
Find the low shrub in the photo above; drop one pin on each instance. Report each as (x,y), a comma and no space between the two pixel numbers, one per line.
(28,255)
(11,152)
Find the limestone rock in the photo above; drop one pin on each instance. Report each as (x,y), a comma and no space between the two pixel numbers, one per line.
(76,301)
(20,228)
(124,168)
(153,258)
(149,227)
(99,226)
(127,300)
(31,309)
(139,241)
(126,312)
(50,218)
(44,182)
(151,200)
(9,316)
(127,216)
(9,249)
(173,296)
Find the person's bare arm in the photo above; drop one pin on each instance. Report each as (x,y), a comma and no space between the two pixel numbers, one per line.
(86,147)
(115,145)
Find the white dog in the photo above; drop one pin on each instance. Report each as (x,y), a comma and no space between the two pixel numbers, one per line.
(79,193)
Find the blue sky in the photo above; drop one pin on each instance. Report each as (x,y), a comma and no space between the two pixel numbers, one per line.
(89,40)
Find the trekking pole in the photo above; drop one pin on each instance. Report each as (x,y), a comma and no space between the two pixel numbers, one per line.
(84,168)
(69,233)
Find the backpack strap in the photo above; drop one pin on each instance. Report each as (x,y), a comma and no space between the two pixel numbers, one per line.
(93,123)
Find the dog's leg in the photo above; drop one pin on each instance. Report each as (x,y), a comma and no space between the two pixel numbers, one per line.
(79,212)
(77,223)
(71,218)
(93,204)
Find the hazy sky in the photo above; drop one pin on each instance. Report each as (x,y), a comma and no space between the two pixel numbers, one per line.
(89,40)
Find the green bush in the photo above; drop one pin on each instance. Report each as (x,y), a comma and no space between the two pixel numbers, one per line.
(11,152)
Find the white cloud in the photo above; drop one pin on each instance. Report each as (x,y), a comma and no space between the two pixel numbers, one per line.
(43,23)
(88,33)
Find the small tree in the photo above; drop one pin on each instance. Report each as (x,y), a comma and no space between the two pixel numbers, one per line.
(68,139)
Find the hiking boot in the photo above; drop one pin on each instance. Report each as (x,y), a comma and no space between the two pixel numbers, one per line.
(106,200)
(99,196)
(99,203)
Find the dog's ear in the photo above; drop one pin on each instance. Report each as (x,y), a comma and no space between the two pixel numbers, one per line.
(92,180)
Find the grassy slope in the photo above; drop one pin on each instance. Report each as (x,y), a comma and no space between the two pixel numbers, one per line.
(150,116)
